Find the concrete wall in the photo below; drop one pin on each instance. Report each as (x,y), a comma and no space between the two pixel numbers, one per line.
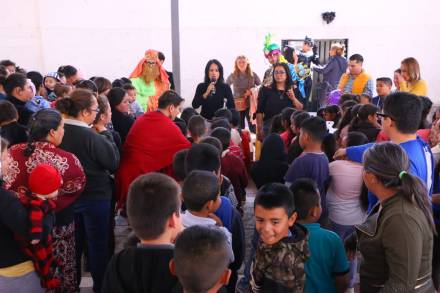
(108,37)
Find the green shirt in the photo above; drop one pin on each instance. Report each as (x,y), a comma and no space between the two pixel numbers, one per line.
(143,91)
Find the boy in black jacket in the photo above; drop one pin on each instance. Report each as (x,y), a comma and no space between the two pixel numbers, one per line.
(153,208)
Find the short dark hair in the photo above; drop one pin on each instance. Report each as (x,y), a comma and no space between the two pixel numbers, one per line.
(275,195)
(197,126)
(298,118)
(68,70)
(275,124)
(348,97)
(7,63)
(316,127)
(201,255)
(152,199)
(168,98)
(160,56)
(202,156)
(355,138)
(286,114)
(115,96)
(199,188)
(36,78)
(86,84)
(406,111)
(214,141)
(187,113)
(179,165)
(306,196)
(103,84)
(235,118)
(220,122)
(8,112)
(224,135)
(385,80)
(357,57)
(128,86)
(13,81)
(223,113)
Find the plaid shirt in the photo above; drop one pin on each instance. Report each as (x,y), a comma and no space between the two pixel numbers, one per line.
(42,252)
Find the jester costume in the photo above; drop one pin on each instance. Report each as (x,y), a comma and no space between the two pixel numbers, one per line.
(297,72)
(150,80)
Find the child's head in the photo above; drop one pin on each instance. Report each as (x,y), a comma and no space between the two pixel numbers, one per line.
(214,141)
(297,118)
(179,165)
(223,113)
(153,207)
(354,138)
(197,126)
(62,90)
(44,180)
(307,200)
(347,105)
(201,191)
(203,156)
(131,91)
(313,131)
(187,113)
(50,80)
(104,85)
(402,113)
(426,108)
(224,135)
(348,97)
(332,113)
(285,118)
(235,118)
(220,122)
(383,86)
(274,210)
(366,113)
(201,259)
(365,99)
(396,76)
(276,126)
(8,113)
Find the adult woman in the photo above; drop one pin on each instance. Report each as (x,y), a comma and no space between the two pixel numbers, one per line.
(98,154)
(17,273)
(410,79)
(213,93)
(242,80)
(120,106)
(333,70)
(272,100)
(396,240)
(46,131)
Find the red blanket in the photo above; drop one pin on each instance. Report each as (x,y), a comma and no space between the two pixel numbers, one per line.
(150,147)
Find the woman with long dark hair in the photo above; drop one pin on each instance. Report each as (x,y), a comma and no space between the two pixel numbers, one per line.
(396,240)
(213,93)
(120,107)
(272,100)
(46,131)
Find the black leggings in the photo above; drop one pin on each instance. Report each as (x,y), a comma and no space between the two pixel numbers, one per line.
(244,115)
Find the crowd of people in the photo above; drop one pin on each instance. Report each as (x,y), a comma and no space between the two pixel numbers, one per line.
(351,190)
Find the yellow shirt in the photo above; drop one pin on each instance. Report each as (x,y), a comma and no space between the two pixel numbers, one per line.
(419,88)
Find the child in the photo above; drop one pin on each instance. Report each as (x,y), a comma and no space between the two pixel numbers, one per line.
(201,259)
(295,149)
(10,129)
(282,247)
(44,182)
(327,267)
(288,134)
(135,108)
(201,195)
(232,167)
(366,122)
(365,99)
(383,89)
(153,208)
(245,137)
(179,166)
(197,128)
(313,163)
(332,113)
(49,82)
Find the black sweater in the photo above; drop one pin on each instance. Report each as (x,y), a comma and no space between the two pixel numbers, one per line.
(13,220)
(141,269)
(213,102)
(98,155)
(121,123)
(24,114)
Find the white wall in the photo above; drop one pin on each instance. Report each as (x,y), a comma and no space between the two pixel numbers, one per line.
(108,37)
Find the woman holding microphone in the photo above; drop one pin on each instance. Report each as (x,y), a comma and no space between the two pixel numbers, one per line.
(213,93)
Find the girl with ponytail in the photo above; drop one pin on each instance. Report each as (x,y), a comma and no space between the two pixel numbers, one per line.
(366,122)
(396,240)
(46,132)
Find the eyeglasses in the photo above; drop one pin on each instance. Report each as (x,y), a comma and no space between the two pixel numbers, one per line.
(96,110)
(382,115)
(279,72)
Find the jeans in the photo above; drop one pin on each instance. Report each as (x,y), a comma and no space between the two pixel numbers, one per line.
(344,231)
(91,228)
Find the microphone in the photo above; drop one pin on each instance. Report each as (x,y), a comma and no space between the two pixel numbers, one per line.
(213,80)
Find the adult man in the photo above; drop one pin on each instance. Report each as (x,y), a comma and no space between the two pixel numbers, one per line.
(150,80)
(19,91)
(357,81)
(151,144)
